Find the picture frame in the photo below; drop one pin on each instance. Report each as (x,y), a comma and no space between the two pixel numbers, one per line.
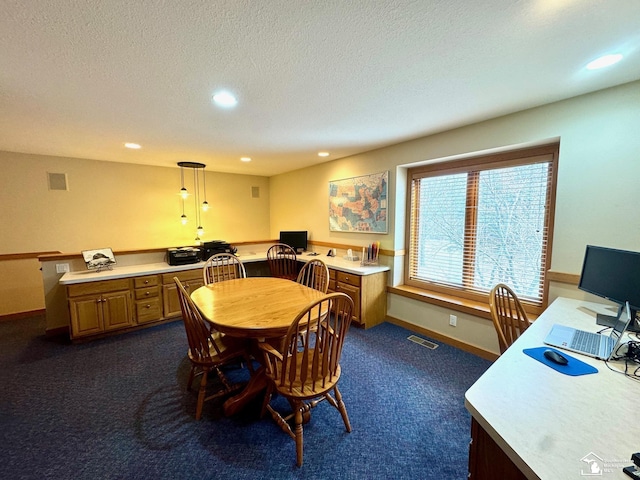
(99,259)
(359,204)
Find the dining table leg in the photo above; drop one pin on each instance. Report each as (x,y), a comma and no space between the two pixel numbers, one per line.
(256,384)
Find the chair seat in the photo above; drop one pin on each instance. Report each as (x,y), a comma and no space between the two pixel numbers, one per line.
(228,347)
(308,388)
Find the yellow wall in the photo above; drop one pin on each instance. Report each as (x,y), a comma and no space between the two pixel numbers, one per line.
(117,205)
(598,179)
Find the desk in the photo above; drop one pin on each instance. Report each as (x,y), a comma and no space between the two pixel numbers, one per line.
(539,417)
(254,307)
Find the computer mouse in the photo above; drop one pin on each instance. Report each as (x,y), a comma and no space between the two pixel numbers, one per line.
(555,357)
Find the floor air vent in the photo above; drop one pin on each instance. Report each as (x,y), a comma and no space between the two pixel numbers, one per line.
(423,342)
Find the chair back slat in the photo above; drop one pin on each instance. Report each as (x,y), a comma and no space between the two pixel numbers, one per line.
(221,267)
(282,261)
(508,314)
(309,365)
(315,274)
(198,332)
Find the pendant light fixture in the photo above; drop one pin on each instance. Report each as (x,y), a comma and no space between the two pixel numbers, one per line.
(184,194)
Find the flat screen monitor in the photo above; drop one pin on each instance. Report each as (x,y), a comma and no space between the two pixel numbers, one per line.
(614,275)
(295,239)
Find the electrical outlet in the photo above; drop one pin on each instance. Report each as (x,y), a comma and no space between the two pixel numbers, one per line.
(453,320)
(62,267)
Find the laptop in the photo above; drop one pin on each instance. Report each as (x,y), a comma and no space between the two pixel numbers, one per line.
(602,347)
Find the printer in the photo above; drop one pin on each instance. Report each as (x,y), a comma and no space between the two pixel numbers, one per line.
(217,246)
(183,255)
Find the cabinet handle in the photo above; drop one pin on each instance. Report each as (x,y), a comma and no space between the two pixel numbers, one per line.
(146,281)
(147,293)
(148,306)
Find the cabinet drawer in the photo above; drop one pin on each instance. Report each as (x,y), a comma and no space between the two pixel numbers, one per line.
(183,276)
(332,274)
(102,286)
(349,278)
(147,311)
(142,293)
(148,281)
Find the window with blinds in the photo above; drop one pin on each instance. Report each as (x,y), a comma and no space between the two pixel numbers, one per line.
(482,221)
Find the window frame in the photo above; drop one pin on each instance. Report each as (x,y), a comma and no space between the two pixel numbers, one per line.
(519,157)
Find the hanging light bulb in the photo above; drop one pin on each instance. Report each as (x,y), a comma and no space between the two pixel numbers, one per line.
(205,204)
(183,191)
(196,195)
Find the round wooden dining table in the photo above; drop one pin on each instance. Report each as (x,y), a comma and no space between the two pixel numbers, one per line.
(254,307)
(258,308)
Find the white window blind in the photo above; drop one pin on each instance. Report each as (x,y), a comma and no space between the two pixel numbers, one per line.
(477,224)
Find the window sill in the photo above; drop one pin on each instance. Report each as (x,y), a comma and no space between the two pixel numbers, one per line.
(479,309)
(464,305)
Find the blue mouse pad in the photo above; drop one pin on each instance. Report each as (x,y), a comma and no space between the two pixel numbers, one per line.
(574,367)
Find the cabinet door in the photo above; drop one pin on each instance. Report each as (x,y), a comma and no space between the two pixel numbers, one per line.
(116,310)
(170,300)
(354,293)
(86,316)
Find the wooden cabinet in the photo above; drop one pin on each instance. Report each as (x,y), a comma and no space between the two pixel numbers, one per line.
(191,279)
(98,307)
(487,461)
(368,292)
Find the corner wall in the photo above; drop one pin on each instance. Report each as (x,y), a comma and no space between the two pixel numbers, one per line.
(599,170)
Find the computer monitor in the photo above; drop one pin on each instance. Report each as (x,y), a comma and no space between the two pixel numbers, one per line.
(295,239)
(614,275)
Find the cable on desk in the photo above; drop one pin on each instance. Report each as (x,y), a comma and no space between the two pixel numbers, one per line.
(631,360)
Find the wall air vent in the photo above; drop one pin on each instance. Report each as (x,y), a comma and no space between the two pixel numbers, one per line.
(57,181)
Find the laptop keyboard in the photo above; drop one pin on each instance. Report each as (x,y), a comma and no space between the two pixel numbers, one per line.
(586,342)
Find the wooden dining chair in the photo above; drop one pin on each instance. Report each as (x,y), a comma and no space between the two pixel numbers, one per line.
(208,350)
(509,317)
(282,261)
(221,267)
(305,374)
(314,274)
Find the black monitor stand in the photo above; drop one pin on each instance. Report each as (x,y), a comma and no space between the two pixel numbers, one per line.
(610,320)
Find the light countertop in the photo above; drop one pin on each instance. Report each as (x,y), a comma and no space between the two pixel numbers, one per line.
(337,263)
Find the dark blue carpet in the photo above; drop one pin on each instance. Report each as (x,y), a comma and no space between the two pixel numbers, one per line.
(117,408)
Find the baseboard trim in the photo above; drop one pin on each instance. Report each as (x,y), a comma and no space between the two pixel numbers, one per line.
(21,315)
(480,352)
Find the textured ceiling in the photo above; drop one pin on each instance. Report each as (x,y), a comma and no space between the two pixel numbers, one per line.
(78,78)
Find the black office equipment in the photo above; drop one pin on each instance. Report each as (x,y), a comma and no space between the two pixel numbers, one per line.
(216,246)
(295,239)
(614,275)
(183,255)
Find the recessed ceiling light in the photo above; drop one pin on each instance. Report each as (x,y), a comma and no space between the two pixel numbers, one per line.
(323,154)
(225,99)
(133,146)
(245,159)
(604,61)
